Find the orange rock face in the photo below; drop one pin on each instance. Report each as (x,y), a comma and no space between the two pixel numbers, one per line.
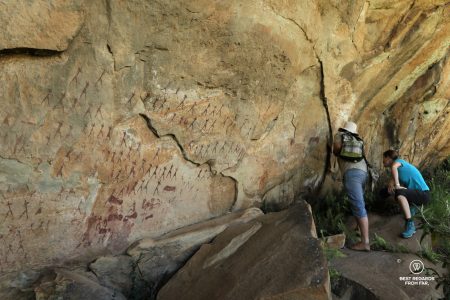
(130,119)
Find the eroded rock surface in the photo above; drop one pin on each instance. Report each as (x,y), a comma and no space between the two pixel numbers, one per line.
(74,285)
(384,281)
(156,260)
(129,119)
(39,25)
(137,274)
(275,256)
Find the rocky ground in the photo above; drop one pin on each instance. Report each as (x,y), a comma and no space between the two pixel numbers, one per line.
(243,255)
(389,228)
(376,274)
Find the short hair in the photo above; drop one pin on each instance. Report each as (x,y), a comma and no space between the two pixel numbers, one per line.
(391,154)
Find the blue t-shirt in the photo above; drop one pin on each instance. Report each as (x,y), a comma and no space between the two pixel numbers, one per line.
(410,177)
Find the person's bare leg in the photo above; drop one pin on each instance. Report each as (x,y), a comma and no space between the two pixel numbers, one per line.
(363,224)
(405,206)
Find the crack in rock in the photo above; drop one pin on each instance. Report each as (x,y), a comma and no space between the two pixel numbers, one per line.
(30,52)
(330,130)
(185,156)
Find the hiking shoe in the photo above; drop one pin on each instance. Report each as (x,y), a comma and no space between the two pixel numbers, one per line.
(361,246)
(410,229)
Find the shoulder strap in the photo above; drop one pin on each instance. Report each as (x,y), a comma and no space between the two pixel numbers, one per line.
(367,162)
(364,154)
(342,132)
(356,136)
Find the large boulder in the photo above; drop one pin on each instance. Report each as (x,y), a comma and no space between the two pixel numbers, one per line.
(151,262)
(19,285)
(156,260)
(275,256)
(115,272)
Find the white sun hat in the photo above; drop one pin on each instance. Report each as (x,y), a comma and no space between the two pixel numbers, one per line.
(351,127)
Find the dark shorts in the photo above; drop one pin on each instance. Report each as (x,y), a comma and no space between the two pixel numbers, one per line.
(414,196)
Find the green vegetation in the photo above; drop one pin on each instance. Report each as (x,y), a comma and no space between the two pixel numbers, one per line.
(380,244)
(427,252)
(334,274)
(435,219)
(331,253)
(435,216)
(331,212)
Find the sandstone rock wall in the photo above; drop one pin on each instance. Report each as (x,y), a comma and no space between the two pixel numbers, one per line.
(129,119)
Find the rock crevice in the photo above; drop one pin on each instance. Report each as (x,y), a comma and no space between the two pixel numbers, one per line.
(29,52)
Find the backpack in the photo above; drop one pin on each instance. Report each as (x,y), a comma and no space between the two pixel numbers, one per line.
(352,147)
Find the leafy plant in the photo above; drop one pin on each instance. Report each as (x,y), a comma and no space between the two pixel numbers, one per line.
(331,253)
(435,219)
(333,273)
(330,213)
(379,243)
(435,216)
(350,234)
(428,253)
(441,280)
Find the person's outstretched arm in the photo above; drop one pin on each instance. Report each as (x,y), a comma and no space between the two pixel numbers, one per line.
(394,172)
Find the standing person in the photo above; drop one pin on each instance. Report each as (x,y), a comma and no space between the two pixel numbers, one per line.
(349,148)
(408,186)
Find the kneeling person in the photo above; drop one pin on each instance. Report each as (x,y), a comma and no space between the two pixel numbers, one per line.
(409,187)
